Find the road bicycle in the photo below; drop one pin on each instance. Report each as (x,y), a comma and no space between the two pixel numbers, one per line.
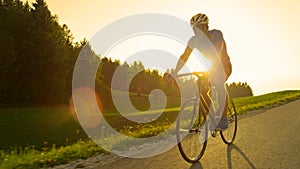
(194,119)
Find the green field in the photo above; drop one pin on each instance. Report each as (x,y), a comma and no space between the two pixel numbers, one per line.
(37,137)
(39,127)
(265,101)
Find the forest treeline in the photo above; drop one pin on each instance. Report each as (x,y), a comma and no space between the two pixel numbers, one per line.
(38,54)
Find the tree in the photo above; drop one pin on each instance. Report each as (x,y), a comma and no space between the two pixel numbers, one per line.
(37,54)
(239,89)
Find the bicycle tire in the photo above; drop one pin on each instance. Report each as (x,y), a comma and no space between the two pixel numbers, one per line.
(188,134)
(229,134)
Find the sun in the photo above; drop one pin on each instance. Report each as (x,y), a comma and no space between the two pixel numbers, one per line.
(196,63)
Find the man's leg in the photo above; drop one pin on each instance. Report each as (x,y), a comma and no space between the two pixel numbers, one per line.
(223,106)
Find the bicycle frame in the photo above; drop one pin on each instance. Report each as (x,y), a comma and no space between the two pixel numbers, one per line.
(204,108)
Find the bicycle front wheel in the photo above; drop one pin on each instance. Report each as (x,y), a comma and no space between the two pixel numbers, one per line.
(191,132)
(229,134)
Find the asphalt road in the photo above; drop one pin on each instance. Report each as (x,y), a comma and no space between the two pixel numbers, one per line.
(265,139)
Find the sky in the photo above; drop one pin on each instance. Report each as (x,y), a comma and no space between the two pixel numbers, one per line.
(262,37)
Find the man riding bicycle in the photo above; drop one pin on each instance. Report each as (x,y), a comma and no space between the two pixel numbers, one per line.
(220,62)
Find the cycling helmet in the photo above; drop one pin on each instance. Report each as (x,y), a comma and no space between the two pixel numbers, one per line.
(199,19)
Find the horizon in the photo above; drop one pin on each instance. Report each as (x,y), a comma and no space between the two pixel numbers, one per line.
(267,27)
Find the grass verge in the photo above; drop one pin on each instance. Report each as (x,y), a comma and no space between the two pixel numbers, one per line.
(30,158)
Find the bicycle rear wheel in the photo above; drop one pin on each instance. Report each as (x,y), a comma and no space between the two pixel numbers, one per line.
(229,134)
(191,132)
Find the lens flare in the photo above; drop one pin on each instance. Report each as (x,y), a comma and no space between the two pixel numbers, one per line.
(86,111)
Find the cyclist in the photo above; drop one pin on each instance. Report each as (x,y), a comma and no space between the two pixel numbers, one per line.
(220,62)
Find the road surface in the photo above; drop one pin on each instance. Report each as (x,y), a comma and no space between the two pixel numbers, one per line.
(265,139)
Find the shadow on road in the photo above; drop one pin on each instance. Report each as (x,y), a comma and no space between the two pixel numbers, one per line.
(196,166)
(232,147)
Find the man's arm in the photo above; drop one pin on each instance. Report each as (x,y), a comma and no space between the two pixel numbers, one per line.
(183,58)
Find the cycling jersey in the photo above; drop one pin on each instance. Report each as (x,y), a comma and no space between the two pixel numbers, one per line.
(209,51)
